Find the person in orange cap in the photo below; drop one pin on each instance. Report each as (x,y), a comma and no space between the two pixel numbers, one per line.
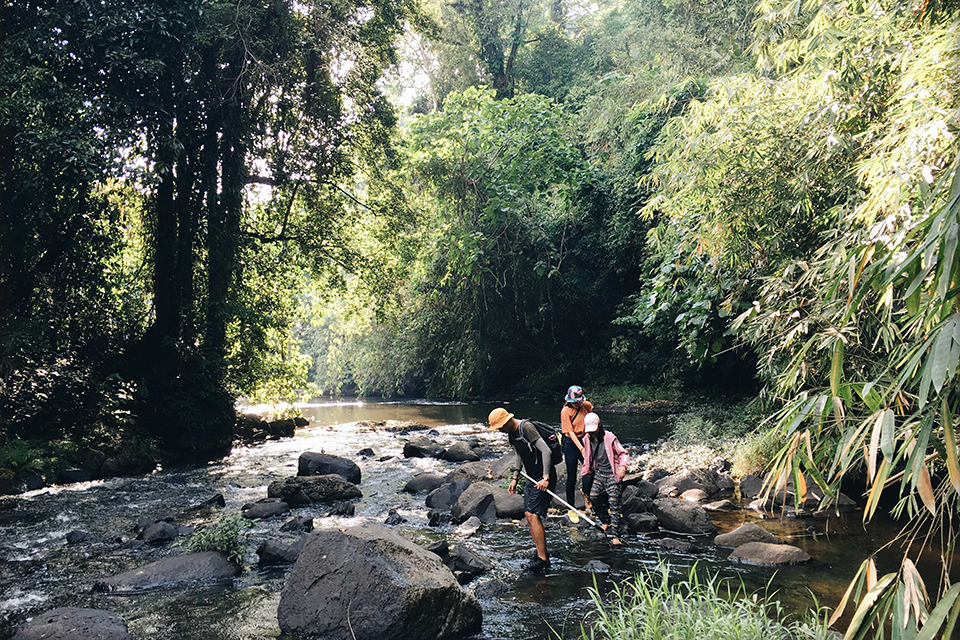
(534,454)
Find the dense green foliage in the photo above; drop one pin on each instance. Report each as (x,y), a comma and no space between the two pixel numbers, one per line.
(172,173)
(228,536)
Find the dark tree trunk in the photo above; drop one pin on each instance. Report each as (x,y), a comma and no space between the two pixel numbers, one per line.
(166,295)
(225,219)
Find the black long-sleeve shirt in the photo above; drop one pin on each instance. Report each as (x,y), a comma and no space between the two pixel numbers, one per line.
(527,443)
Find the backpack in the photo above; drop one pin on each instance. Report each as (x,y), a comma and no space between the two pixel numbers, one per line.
(549,435)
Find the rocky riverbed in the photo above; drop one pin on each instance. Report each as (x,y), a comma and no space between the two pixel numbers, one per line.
(438,486)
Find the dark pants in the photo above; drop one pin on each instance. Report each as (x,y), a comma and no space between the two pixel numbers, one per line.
(571,455)
(609,512)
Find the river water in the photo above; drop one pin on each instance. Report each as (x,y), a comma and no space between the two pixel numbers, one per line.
(38,571)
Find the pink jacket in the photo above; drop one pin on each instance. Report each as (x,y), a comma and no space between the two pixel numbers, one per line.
(616,454)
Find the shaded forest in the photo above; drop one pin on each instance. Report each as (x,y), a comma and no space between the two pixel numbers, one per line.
(204,200)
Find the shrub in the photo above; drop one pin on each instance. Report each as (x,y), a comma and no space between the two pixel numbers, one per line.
(227,536)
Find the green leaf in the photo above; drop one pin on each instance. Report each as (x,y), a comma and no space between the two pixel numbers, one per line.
(939,614)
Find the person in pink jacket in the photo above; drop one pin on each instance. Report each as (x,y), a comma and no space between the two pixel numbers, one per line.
(606,459)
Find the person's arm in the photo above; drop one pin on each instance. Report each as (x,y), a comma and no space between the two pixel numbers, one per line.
(587,456)
(531,434)
(515,470)
(623,458)
(566,424)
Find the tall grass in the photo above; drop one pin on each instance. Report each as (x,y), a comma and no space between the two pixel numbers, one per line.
(651,607)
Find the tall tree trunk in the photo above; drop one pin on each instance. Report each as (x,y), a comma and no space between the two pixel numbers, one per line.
(166,298)
(225,219)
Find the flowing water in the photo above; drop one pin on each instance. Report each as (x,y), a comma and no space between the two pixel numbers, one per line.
(38,571)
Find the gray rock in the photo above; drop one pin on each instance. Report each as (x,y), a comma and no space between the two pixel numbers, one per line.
(186,531)
(492,589)
(466,562)
(421,447)
(394,518)
(678,546)
(676,484)
(298,524)
(216,501)
(745,533)
(445,496)
(765,554)
(721,505)
(321,464)
(304,490)
(370,582)
(72,623)
(724,482)
(174,571)
(159,532)
(477,500)
(459,452)
(694,495)
(80,537)
(272,552)
(342,508)
(263,510)
(366,452)
(596,566)
(282,428)
(30,479)
(437,517)
(470,526)
(509,505)
(642,523)
(750,487)
(424,483)
(682,516)
(647,490)
(440,547)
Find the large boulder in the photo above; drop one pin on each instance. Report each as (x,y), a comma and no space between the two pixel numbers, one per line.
(486,469)
(421,447)
(370,583)
(303,490)
(173,571)
(478,500)
(682,516)
(745,533)
(283,428)
(766,554)
(445,496)
(424,483)
(321,464)
(509,505)
(73,623)
(459,452)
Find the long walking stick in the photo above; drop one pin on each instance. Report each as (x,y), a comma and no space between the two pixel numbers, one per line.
(567,504)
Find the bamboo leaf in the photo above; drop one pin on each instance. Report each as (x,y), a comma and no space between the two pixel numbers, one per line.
(950,444)
(925,489)
(887,434)
(874,446)
(949,250)
(939,614)
(836,370)
(854,585)
(854,630)
(940,356)
(873,499)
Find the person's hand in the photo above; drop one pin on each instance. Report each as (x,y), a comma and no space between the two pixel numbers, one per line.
(621,475)
(513,486)
(543,484)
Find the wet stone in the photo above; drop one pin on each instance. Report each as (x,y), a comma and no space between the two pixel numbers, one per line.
(80,537)
(159,532)
(262,510)
(424,483)
(216,501)
(394,518)
(342,508)
(365,453)
(596,566)
(73,623)
(764,554)
(298,524)
(440,547)
(320,464)
(201,568)
(470,526)
(437,517)
(492,589)
(677,546)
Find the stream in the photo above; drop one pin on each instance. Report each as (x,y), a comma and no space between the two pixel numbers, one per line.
(38,571)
